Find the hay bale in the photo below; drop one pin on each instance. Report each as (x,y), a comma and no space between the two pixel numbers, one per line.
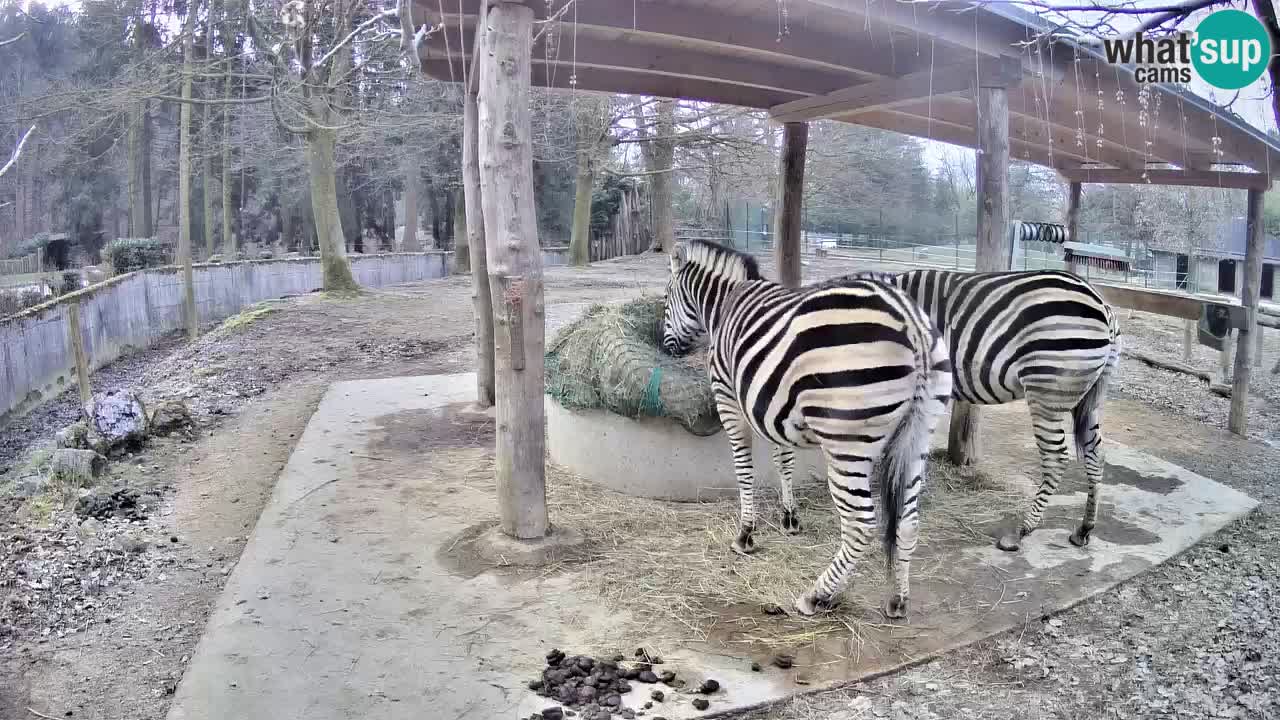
(610,358)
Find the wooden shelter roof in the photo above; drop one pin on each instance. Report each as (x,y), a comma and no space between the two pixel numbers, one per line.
(902,66)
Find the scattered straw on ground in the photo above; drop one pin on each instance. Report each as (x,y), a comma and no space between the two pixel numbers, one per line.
(670,567)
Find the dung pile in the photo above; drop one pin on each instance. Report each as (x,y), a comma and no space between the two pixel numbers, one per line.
(610,359)
(593,687)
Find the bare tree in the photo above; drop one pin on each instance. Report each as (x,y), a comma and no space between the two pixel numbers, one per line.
(17,152)
(320,84)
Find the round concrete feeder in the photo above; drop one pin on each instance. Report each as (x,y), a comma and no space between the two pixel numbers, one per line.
(656,457)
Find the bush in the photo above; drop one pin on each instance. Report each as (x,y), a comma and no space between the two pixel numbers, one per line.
(129,254)
(14,302)
(70,281)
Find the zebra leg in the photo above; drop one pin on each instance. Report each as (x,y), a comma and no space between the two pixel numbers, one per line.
(785,459)
(1051,437)
(1091,451)
(848,479)
(735,426)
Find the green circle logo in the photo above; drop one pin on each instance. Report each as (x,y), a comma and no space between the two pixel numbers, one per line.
(1232,49)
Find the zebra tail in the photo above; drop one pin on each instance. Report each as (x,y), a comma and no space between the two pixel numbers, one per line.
(1086,414)
(908,443)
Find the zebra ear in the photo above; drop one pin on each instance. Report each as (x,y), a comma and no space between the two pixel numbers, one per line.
(679,256)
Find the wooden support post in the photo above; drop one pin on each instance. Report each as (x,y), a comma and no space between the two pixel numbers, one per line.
(1259,339)
(1237,421)
(1224,359)
(77,349)
(1188,339)
(481,294)
(992,254)
(1073,218)
(787,225)
(515,267)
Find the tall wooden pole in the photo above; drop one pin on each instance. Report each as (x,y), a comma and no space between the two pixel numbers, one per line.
(1073,218)
(787,225)
(474,250)
(1237,421)
(515,267)
(992,250)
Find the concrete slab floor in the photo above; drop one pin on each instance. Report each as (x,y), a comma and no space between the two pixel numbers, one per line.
(350,602)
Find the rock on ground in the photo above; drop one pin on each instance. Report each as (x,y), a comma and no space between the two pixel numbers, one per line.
(119,416)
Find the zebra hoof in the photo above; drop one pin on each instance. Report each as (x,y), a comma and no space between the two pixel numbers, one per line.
(810,604)
(895,608)
(790,522)
(1080,537)
(744,544)
(1010,542)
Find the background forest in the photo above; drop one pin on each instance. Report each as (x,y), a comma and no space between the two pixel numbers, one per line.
(335,131)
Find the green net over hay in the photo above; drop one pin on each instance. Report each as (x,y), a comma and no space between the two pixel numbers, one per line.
(610,358)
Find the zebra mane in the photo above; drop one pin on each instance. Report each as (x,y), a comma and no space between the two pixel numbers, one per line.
(722,260)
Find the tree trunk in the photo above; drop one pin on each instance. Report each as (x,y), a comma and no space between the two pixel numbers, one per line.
(580,237)
(206,148)
(139,180)
(323,171)
(458,223)
(471,253)
(450,212)
(991,252)
(411,180)
(1073,219)
(1238,420)
(184,178)
(228,226)
(664,153)
(515,268)
(787,227)
(206,184)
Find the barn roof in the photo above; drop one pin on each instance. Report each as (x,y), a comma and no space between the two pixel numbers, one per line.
(907,67)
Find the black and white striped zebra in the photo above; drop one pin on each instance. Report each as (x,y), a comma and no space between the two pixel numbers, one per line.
(855,369)
(1045,336)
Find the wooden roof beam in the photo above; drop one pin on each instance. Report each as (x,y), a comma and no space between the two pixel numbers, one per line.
(1190,178)
(630,57)
(963,135)
(612,80)
(713,29)
(890,92)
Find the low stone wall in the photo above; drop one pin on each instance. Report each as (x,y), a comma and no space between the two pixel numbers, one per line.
(134,310)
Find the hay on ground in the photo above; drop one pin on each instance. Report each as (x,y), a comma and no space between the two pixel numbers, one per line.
(670,567)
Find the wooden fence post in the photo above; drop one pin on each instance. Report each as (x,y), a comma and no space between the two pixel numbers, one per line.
(515,268)
(77,349)
(1188,337)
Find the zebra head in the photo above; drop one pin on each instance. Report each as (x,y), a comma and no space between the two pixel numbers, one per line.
(703,274)
(681,324)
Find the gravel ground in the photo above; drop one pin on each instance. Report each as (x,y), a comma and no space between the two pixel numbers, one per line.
(98,617)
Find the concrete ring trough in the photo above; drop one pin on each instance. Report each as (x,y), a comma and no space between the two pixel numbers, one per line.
(657,458)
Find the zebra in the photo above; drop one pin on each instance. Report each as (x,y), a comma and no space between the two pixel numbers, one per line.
(856,369)
(1045,336)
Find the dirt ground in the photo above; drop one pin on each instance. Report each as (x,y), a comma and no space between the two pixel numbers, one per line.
(98,618)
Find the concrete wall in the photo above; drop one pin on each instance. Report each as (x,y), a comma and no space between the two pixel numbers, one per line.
(134,310)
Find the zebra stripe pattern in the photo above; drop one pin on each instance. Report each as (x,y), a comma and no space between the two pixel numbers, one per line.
(853,368)
(1046,336)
